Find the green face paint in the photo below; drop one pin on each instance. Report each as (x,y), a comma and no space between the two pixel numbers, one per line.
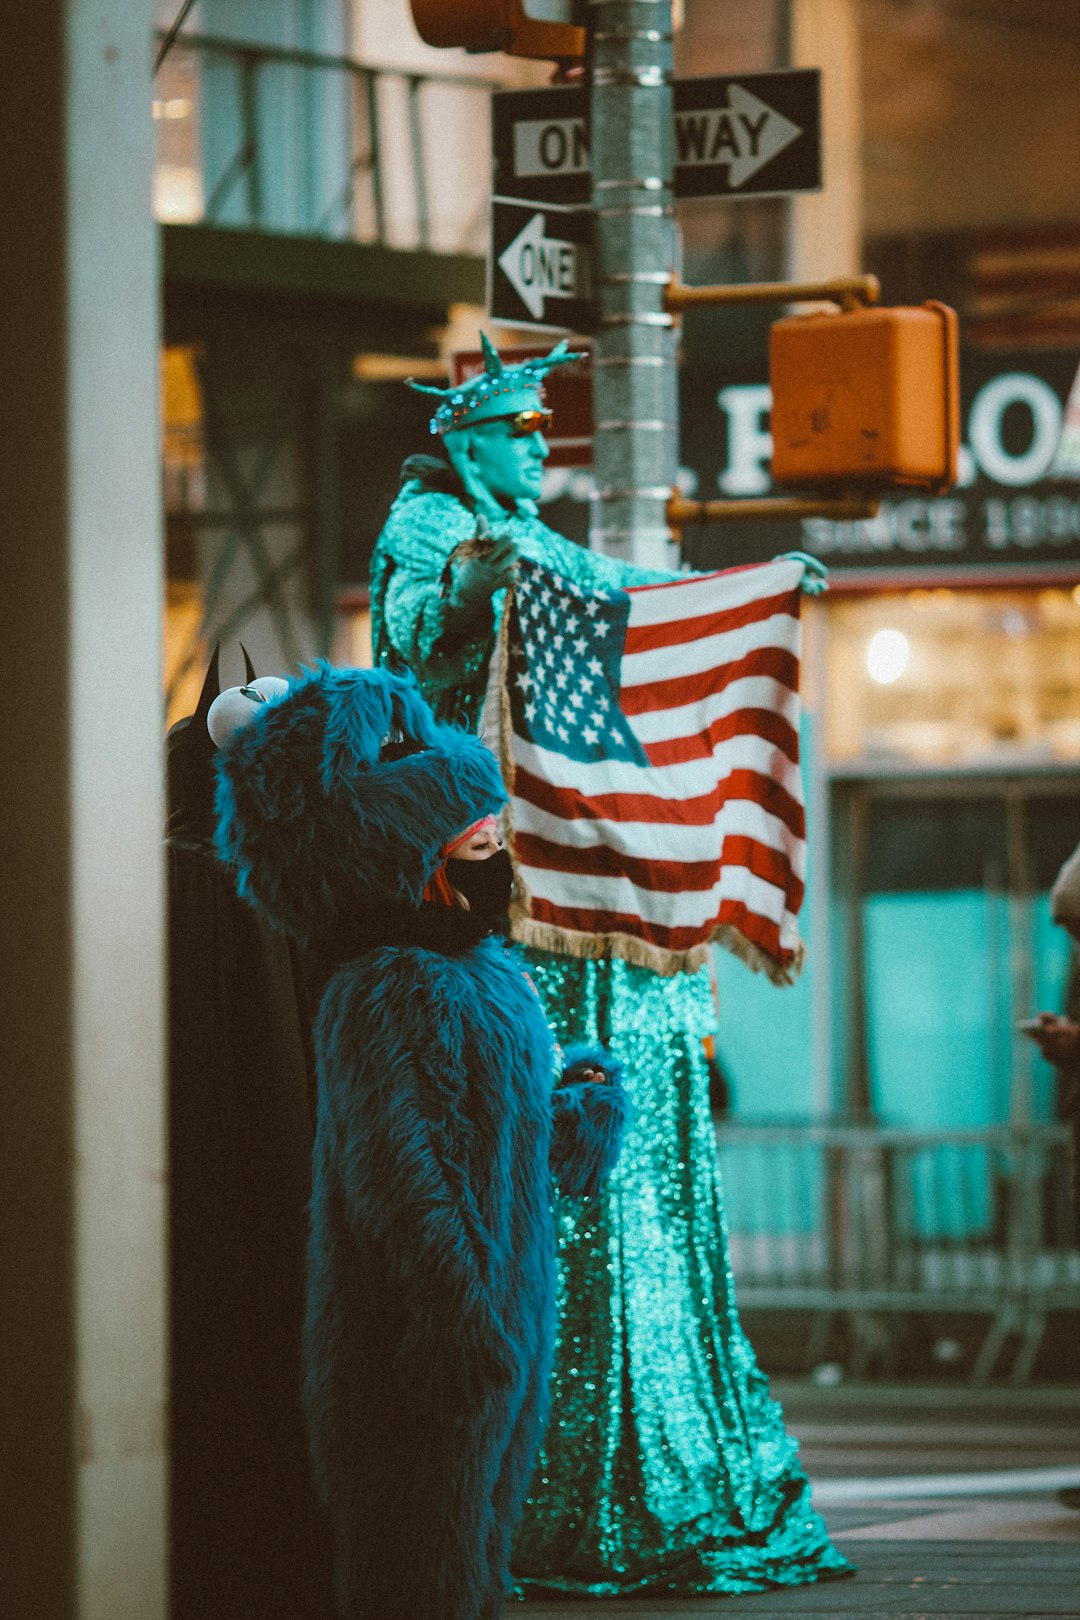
(510,467)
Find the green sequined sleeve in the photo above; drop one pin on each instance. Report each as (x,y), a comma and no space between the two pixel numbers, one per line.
(410,577)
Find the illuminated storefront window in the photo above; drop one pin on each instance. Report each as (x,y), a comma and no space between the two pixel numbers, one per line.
(939,677)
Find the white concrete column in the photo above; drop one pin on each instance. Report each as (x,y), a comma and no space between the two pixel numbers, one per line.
(826,227)
(82,1509)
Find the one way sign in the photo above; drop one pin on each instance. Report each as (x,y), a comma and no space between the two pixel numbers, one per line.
(752,136)
(741,137)
(541,265)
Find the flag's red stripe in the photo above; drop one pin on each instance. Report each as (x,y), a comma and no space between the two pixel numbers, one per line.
(662,877)
(699,811)
(742,723)
(761,931)
(774,662)
(676,632)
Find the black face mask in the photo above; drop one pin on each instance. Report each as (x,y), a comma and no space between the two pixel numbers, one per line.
(485,884)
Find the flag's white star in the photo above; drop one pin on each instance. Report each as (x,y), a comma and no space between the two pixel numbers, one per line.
(592,607)
(530,712)
(557,640)
(590,735)
(601,627)
(525,680)
(562,732)
(587,683)
(572,622)
(576,699)
(549,659)
(596,666)
(540,633)
(579,645)
(561,679)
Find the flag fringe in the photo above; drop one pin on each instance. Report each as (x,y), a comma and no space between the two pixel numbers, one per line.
(542,936)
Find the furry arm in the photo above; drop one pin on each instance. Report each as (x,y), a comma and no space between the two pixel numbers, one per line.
(397,1188)
(589,1121)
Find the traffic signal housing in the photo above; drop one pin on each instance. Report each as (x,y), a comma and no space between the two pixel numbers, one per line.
(866,398)
(512,26)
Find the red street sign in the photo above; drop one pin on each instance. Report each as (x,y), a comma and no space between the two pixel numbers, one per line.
(567,389)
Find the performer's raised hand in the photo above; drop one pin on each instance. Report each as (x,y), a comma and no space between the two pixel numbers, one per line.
(815,579)
(481,567)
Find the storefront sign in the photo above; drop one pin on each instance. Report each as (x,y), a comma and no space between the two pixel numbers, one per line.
(1011,512)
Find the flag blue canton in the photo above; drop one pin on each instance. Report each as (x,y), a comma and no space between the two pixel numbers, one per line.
(565,652)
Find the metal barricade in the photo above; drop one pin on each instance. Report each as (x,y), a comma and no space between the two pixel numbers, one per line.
(871,1223)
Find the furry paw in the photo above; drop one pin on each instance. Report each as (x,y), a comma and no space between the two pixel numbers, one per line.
(590,1115)
(584,1064)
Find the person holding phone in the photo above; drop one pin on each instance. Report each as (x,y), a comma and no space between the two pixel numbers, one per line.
(1057,1035)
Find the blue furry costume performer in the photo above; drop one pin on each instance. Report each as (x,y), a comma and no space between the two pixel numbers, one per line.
(431,1277)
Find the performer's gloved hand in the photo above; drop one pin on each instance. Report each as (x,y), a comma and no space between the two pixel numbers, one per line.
(815,579)
(482,566)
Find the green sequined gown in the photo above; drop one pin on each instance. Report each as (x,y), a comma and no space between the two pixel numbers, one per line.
(666,1468)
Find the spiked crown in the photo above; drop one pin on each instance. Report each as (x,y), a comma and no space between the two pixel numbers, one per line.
(498,390)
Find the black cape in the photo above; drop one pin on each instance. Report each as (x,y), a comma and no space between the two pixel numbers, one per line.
(248,1535)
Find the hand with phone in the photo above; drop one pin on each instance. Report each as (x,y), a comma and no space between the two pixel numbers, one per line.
(1057,1038)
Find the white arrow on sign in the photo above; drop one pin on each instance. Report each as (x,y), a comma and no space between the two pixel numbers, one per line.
(745,135)
(539,267)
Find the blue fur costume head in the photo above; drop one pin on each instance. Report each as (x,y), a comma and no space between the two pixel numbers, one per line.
(321,812)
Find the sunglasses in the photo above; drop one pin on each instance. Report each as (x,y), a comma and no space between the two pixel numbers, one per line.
(526,422)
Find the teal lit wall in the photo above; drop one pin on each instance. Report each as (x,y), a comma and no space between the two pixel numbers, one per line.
(937,1009)
(940,1017)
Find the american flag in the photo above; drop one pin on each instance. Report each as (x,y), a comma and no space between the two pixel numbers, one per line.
(650,743)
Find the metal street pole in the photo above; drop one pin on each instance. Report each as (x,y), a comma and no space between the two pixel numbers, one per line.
(635,382)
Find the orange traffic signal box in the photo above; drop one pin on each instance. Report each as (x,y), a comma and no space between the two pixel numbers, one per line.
(866,398)
(499,25)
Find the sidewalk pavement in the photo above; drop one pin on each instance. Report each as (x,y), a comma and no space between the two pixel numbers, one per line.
(986,1539)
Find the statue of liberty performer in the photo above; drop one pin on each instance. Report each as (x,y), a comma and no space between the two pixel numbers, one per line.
(666,1468)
